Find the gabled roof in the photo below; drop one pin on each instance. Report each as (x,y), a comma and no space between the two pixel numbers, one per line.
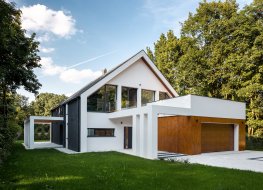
(140,55)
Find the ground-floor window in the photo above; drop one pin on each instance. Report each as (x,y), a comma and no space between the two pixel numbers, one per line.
(100,132)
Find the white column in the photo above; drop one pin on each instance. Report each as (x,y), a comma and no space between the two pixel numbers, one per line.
(31,133)
(83,123)
(66,125)
(236,137)
(139,97)
(152,135)
(145,137)
(134,133)
(119,97)
(156,95)
(142,135)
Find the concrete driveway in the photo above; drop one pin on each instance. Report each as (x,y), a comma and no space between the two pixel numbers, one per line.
(243,160)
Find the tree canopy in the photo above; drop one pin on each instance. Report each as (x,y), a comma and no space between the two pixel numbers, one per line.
(45,102)
(218,54)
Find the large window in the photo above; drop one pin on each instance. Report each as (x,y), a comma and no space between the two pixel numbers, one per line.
(100,132)
(147,96)
(163,96)
(103,100)
(128,97)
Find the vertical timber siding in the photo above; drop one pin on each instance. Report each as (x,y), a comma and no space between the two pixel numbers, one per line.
(182,134)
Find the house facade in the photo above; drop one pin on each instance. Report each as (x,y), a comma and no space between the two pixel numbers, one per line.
(134,109)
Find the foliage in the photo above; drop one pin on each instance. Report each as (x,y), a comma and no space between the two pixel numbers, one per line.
(219,54)
(50,169)
(45,102)
(18,58)
(7,137)
(254,143)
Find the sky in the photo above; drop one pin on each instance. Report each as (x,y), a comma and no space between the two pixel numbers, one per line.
(80,38)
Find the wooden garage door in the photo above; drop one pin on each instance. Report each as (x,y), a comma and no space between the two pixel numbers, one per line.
(217,137)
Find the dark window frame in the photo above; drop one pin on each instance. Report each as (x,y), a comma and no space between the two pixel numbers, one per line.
(166,95)
(104,88)
(100,129)
(154,95)
(128,97)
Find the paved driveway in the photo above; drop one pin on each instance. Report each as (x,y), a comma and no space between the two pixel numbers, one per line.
(243,160)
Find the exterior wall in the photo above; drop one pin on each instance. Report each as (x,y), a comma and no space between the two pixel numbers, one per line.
(140,76)
(185,132)
(101,120)
(74,125)
(58,134)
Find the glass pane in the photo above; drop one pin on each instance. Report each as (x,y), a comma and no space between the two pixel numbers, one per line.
(100,132)
(95,102)
(129,97)
(147,96)
(111,94)
(163,96)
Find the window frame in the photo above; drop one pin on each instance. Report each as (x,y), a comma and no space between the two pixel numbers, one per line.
(100,129)
(154,95)
(165,94)
(128,97)
(104,99)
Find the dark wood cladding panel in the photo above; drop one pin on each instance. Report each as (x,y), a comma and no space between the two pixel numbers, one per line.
(183,134)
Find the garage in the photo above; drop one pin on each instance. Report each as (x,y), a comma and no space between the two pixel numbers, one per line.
(195,135)
(217,137)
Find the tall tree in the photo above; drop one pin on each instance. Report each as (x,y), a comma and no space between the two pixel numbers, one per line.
(18,57)
(221,55)
(45,102)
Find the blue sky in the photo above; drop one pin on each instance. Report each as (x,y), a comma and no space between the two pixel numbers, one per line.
(80,38)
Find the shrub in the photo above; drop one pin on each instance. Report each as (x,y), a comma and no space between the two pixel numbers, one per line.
(7,137)
(254,143)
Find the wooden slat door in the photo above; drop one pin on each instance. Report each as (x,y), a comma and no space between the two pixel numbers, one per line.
(217,137)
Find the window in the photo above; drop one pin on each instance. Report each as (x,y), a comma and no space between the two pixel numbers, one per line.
(103,100)
(147,96)
(100,132)
(128,97)
(163,96)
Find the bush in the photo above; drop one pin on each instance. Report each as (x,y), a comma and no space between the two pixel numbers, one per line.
(254,143)
(7,138)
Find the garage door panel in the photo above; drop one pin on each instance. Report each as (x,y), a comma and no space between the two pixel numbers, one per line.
(217,137)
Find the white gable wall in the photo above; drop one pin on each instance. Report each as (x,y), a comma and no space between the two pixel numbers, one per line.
(139,75)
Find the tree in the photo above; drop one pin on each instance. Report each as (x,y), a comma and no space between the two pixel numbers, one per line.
(219,54)
(18,56)
(166,53)
(45,102)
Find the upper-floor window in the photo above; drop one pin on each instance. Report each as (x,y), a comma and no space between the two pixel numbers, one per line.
(163,96)
(103,100)
(147,96)
(128,97)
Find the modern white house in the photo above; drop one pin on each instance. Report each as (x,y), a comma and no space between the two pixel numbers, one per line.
(133,109)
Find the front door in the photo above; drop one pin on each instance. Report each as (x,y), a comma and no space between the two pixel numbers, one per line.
(127,137)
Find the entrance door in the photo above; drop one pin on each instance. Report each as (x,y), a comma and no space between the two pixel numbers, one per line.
(127,137)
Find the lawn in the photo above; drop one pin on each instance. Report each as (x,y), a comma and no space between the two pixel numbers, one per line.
(50,169)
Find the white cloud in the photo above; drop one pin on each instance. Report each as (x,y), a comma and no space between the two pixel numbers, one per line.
(77,76)
(39,18)
(67,75)
(46,50)
(49,68)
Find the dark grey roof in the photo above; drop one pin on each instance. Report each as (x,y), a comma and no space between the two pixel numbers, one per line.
(92,83)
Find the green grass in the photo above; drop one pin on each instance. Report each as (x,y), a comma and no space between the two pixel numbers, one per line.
(50,169)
